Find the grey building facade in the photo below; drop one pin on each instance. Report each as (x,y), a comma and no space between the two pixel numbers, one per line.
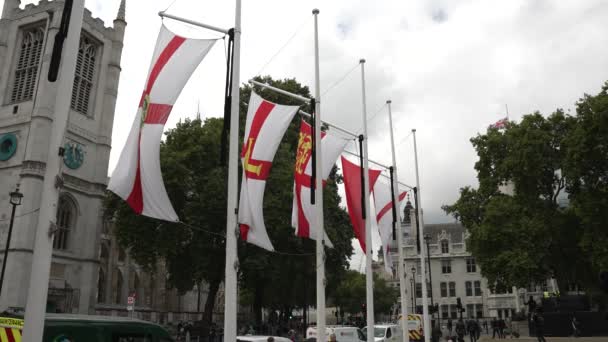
(27,101)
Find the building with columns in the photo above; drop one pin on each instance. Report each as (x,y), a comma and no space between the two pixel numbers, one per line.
(455,274)
(27,101)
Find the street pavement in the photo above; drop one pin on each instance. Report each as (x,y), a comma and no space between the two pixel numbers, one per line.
(549,339)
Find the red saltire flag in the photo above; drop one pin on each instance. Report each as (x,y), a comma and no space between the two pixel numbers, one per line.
(303,213)
(352,187)
(137,177)
(383,202)
(266,125)
(502,123)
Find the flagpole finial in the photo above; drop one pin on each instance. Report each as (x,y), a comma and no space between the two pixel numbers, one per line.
(362,60)
(389,101)
(315,11)
(413,130)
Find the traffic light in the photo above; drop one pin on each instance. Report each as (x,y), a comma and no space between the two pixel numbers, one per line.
(458,303)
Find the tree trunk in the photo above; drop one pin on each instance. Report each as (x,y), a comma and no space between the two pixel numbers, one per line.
(209,306)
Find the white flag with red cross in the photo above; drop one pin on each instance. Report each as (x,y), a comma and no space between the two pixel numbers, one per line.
(383,202)
(137,178)
(303,214)
(266,124)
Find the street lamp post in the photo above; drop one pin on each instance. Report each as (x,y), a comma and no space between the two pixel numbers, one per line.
(15,199)
(414,294)
(427,239)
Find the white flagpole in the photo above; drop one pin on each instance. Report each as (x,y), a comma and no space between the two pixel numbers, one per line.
(400,268)
(369,276)
(43,245)
(230,283)
(425,305)
(321,315)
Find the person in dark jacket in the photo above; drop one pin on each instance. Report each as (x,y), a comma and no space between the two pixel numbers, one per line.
(539,325)
(450,326)
(495,330)
(460,330)
(472,330)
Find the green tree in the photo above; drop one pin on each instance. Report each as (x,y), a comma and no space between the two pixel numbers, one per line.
(350,295)
(196,184)
(520,232)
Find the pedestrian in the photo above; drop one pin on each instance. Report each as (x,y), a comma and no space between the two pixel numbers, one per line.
(485,325)
(270,339)
(477,329)
(460,330)
(531,303)
(471,329)
(576,332)
(539,325)
(501,327)
(436,332)
(495,330)
(332,337)
(450,326)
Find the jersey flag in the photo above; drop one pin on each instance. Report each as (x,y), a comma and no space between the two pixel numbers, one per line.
(137,178)
(266,124)
(383,201)
(352,187)
(303,214)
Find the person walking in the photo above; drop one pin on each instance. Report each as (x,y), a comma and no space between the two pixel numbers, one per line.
(495,330)
(501,327)
(485,325)
(576,331)
(471,330)
(477,329)
(460,330)
(436,332)
(531,303)
(450,326)
(539,325)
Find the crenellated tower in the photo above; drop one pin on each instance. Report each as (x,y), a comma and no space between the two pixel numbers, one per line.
(27,101)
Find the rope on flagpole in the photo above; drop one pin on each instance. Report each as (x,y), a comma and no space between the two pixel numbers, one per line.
(224,236)
(340,80)
(284,45)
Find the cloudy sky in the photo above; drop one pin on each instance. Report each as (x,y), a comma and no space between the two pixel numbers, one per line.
(449,67)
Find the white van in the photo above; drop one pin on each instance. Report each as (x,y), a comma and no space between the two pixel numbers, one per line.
(343,333)
(386,333)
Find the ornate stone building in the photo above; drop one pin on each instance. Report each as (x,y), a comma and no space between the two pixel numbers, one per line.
(27,101)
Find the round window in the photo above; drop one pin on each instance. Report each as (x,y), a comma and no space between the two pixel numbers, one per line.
(8,146)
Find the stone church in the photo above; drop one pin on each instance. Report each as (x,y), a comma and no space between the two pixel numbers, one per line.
(27,102)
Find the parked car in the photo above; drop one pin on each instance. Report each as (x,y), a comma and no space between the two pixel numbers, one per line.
(343,333)
(69,328)
(255,338)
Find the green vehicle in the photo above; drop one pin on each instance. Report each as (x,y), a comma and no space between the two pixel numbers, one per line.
(76,328)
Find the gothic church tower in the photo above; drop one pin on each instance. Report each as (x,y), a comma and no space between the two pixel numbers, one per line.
(27,101)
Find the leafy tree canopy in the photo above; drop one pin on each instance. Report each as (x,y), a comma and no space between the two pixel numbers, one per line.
(541,208)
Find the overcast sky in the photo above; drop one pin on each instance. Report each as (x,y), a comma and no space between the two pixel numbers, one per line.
(449,67)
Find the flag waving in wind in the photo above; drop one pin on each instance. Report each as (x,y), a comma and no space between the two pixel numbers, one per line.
(266,125)
(352,187)
(383,201)
(137,178)
(303,213)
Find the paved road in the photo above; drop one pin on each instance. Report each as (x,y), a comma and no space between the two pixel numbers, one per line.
(549,339)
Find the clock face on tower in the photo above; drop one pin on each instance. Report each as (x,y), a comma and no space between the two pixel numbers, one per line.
(74,155)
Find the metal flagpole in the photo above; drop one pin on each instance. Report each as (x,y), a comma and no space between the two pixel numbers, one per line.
(320,243)
(425,305)
(369,277)
(43,245)
(400,266)
(230,283)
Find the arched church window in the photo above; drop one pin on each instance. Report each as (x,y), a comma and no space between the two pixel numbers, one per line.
(83,78)
(118,288)
(27,64)
(66,219)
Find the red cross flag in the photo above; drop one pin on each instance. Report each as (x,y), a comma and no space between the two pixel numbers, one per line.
(352,187)
(383,201)
(265,126)
(303,213)
(137,178)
